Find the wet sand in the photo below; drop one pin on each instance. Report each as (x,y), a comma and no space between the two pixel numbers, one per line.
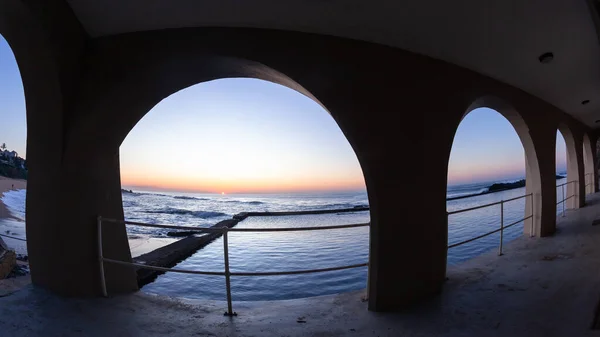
(7,184)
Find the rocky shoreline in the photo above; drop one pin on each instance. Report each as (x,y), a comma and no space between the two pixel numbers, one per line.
(498,187)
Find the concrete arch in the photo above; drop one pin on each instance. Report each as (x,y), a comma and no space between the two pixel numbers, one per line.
(588,164)
(121,100)
(533,177)
(572,190)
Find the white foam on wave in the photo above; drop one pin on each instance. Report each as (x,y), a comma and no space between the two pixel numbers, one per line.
(15,202)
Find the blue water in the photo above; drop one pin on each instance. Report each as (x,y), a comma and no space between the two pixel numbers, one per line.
(294,250)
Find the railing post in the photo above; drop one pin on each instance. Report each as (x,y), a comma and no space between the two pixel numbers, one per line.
(563,200)
(227,274)
(501,226)
(532,234)
(101,258)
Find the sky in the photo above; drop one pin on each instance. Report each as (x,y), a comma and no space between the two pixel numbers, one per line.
(239,136)
(13,125)
(252,136)
(486,148)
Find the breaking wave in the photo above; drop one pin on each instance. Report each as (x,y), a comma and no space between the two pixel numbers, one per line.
(184,197)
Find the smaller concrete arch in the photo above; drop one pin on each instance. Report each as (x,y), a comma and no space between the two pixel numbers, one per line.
(533,205)
(572,190)
(588,165)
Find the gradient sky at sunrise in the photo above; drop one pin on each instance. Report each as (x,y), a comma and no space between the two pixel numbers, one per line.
(239,136)
(486,148)
(13,125)
(246,135)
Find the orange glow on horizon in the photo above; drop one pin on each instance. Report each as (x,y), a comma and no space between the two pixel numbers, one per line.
(229,186)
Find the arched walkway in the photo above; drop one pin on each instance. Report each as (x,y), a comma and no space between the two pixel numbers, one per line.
(84,94)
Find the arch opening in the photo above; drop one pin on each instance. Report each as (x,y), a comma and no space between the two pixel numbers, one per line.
(500,167)
(238,145)
(566,161)
(489,172)
(13,141)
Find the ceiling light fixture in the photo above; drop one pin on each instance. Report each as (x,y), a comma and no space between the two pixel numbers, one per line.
(546,57)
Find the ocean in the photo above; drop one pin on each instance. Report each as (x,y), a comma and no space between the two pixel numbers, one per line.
(289,250)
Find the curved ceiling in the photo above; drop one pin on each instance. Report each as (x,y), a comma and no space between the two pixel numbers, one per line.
(499,38)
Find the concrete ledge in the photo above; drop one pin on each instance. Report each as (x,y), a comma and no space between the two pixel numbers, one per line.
(169,255)
(244,215)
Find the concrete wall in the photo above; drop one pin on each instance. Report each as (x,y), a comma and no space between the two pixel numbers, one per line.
(398,110)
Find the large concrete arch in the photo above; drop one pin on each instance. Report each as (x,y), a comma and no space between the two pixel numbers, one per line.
(118,109)
(533,204)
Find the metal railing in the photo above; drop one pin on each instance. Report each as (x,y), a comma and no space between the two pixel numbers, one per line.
(562,186)
(227,273)
(502,226)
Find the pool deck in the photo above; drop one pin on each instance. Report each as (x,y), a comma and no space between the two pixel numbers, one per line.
(540,287)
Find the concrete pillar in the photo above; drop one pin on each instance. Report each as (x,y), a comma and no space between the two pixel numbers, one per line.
(579,200)
(47,42)
(593,138)
(406,177)
(544,142)
(589,164)
(94,190)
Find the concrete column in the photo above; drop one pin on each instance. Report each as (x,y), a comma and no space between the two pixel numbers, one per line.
(544,191)
(94,190)
(593,138)
(406,177)
(47,42)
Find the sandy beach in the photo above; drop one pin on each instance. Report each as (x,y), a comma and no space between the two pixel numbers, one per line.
(6,184)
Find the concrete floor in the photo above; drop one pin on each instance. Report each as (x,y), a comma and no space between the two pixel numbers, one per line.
(540,287)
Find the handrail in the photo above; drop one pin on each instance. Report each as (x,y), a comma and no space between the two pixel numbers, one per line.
(562,186)
(227,273)
(486,205)
(502,227)
(568,182)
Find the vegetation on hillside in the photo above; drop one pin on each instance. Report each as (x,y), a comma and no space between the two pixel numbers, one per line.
(11,165)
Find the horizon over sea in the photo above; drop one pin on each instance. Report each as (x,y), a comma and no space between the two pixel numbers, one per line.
(272,251)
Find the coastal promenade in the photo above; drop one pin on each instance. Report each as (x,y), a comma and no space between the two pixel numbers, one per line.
(540,287)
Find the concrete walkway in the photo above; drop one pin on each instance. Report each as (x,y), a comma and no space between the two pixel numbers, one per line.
(540,287)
